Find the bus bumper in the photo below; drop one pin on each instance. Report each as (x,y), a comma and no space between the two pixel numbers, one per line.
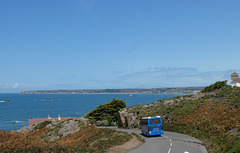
(151,133)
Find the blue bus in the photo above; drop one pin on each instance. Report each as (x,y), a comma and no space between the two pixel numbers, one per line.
(151,126)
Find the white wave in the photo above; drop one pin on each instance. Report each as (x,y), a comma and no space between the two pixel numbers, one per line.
(13,122)
(18,121)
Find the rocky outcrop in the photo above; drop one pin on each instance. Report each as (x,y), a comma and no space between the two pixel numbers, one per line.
(26,129)
(128,119)
(168,103)
(56,130)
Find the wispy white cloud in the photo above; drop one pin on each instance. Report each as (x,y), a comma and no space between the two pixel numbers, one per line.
(15,85)
(9,85)
(173,77)
(143,78)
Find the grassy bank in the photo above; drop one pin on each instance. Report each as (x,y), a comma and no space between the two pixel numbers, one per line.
(89,139)
(212,116)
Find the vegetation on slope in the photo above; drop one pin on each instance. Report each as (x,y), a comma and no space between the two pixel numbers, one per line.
(89,139)
(212,116)
(73,135)
(108,111)
(215,86)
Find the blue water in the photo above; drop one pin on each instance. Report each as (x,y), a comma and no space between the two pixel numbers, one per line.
(15,114)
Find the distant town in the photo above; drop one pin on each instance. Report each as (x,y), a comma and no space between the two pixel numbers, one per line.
(180,90)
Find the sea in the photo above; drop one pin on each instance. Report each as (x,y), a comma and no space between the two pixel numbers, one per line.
(16,114)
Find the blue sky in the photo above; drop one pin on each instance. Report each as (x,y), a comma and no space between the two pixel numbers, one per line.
(95,44)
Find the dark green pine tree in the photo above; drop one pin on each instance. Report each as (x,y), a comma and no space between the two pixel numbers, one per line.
(108,111)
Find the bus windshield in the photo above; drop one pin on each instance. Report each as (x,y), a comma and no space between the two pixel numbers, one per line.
(155,121)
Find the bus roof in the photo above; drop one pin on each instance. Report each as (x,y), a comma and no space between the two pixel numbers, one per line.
(151,117)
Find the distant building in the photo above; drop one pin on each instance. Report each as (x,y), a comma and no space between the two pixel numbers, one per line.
(235,80)
(39,120)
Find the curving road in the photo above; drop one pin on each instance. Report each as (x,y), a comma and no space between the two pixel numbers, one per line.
(169,142)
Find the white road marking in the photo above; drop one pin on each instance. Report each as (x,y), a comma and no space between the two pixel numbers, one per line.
(169,150)
(171,144)
(186,152)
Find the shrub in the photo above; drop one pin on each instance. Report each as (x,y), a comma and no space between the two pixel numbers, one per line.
(41,125)
(108,111)
(102,123)
(215,86)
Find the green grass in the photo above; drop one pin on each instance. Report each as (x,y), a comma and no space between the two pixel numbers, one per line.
(137,109)
(41,125)
(81,124)
(233,145)
(186,96)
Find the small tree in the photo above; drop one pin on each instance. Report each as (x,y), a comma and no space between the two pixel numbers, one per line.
(215,86)
(108,111)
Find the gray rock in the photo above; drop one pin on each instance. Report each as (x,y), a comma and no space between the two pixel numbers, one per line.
(59,129)
(168,103)
(69,127)
(234,132)
(127,119)
(26,129)
(65,128)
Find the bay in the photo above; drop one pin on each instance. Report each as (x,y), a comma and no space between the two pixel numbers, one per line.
(16,114)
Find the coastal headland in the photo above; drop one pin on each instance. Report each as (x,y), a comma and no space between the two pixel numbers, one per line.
(179,90)
(212,115)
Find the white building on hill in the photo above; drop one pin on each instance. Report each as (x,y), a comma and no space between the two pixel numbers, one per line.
(235,80)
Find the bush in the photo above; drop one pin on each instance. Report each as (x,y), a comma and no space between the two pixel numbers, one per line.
(108,111)
(215,86)
(41,125)
(103,123)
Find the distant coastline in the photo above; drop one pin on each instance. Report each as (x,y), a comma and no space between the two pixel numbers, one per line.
(177,90)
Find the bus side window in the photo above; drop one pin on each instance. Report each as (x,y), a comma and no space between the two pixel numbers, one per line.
(144,122)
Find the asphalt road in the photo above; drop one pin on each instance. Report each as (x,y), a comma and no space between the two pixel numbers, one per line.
(169,142)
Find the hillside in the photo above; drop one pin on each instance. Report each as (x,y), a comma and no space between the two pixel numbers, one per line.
(66,136)
(212,116)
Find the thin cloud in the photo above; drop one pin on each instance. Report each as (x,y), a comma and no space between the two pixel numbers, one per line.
(15,85)
(174,77)
(9,85)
